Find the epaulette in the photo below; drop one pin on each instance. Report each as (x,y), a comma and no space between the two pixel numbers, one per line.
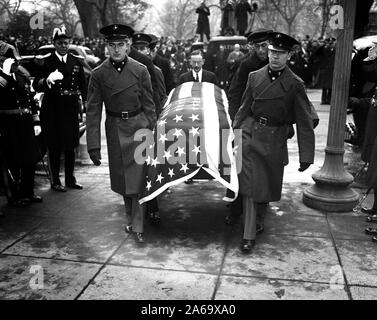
(40,59)
(77,56)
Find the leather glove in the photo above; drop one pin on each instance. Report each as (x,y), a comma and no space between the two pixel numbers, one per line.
(56,75)
(37,130)
(7,65)
(291,132)
(304,166)
(95,156)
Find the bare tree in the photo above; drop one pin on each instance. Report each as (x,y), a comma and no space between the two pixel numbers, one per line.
(289,10)
(11,7)
(178,18)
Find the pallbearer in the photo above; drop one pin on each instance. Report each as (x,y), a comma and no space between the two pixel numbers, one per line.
(124,86)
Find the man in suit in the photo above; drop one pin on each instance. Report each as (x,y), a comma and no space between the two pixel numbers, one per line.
(124,86)
(274,99)
(197,74)
(61,78)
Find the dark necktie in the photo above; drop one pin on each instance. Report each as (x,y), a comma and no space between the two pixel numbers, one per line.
(196,77)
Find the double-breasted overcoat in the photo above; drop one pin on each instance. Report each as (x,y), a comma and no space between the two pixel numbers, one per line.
(282,102)
(127,91)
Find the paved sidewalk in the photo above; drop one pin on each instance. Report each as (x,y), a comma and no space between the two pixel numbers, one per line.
(77,241)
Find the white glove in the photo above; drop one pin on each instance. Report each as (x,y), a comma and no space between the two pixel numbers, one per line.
(56,75)
(7,64)
(37,130)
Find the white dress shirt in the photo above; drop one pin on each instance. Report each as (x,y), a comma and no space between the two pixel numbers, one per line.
(61,57)
(200,75)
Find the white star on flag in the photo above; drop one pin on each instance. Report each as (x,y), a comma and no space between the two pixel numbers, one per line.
(194,131)
(177,132)
(194,117)
(196,149)
(149,185)
(160,178)
(148,160)
(163,138)
(178,118)
(151,146)
(161,123)
(181,151)
(171,173)
(167,155)
(155,162)
(184,167)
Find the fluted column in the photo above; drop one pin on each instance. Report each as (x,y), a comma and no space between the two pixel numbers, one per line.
(331,191)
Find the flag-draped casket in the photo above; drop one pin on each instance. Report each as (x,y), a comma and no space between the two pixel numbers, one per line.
(193,134)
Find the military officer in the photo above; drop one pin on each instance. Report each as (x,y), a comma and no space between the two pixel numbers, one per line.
(258,43)
(274,99)
(19,127)
(124,86)
(61,78)
(142,42)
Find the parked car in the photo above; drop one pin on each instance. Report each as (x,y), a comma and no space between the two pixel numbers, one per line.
(228,42)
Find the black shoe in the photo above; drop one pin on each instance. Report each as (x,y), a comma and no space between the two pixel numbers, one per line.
(154,217)
(374,239)
(58,187)
(74,186)
(372,219)
(260,228)
(128,229)
(139,237)
(371,231)
(247,245)
(189,181)
(34,199)
(371,211)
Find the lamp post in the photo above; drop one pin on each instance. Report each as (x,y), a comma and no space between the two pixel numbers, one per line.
(331,191)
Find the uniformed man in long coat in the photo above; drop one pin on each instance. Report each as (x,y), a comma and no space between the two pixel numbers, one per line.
(124,86)
(19,127)
(369,155)
(274,99)
(258,43)
(142,42)
(61,78)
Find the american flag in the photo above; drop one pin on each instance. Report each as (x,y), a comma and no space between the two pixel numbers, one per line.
(193,133)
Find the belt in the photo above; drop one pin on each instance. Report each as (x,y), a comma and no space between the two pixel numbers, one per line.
(16,111)
(268,122)
(124,115)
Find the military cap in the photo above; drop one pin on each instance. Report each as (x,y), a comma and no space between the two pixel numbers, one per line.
(115,32)
(60,33)
(141,39)
(282,42)
(154,39)
(259,35)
